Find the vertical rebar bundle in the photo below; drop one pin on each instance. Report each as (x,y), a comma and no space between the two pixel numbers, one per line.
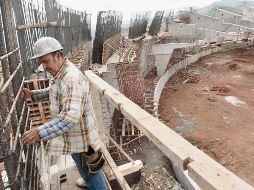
(108,24)
(156,23)
(168,17)
(139,24)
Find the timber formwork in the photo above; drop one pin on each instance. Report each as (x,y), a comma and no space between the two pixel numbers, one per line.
(39,112)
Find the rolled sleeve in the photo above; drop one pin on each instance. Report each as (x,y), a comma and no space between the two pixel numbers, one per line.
(54,128)
(40,95)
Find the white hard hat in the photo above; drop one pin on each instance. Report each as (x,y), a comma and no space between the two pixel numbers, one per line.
(45,45)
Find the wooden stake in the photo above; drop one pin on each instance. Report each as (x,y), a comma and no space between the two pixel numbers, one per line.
(119,177)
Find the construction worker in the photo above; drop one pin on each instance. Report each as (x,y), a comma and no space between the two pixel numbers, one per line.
(73,129)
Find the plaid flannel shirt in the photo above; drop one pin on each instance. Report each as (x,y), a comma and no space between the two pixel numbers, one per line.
(74,125)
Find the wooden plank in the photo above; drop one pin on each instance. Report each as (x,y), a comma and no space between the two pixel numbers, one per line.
(121,150)
(119,177)
(34,77)
(38,118)
(37,25)
(128,168)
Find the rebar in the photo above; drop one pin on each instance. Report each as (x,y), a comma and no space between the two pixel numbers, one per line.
(71,28)
(138,24)
(156,23)
(108,24)
(11,44)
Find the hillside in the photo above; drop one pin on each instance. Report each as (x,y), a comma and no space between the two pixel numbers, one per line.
(234,6)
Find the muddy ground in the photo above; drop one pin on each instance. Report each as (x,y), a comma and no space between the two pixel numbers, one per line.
(219,121)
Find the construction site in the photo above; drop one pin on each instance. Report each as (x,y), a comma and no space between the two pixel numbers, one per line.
(172,94)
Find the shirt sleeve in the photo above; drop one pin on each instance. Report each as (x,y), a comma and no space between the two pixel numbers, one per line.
(40,95)
(72,107)
(54,128)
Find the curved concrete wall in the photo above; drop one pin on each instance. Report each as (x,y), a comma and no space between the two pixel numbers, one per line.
(189,60)
(183,176)
(174,69)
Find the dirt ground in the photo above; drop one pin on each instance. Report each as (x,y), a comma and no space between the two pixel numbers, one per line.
(193,106)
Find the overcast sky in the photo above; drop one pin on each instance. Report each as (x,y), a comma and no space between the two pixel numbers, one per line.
(129,6)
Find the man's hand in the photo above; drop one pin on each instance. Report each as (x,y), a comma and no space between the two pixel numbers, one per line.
(26,93)
(31,136)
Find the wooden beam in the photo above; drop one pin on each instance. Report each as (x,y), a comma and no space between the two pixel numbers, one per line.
(37,25)
(118,175)
(128,168)
(35,83)
(121,150)
(8,54)
(10,78)
(13,105)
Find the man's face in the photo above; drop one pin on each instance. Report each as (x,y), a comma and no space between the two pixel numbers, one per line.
(51,63)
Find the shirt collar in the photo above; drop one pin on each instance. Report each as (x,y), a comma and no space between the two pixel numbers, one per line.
(60,73)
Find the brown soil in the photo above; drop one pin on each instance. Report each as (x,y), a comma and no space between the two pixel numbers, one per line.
(205,118)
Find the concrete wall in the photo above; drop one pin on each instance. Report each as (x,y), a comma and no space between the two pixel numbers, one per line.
(247,23)
(183,176)
(214,36)
(108,109)
(182,32)
(163,52)
(146,56)
(233,18)
(228,27)
(228,16)
(174,69)
(248,13)
(212,23)
(207,22)
(189,60)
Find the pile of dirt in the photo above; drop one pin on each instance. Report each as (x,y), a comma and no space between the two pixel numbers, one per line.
(156,178)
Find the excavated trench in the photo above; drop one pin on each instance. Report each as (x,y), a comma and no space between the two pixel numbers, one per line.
(210,103)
